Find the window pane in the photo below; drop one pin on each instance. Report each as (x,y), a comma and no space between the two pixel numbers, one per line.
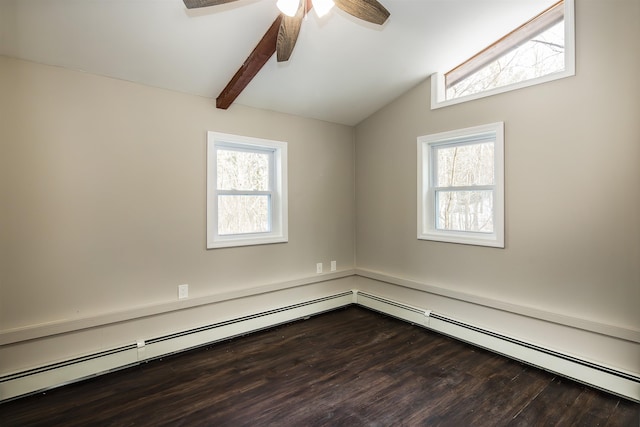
(464,165)
(243,170)
(243,214)
(540,56)
(464,211)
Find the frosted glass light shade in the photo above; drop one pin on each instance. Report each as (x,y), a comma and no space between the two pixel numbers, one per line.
(322,6)
(288,7)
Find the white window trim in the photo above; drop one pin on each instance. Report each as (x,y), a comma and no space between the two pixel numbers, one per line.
(438,89)
(426,209)
(279,210)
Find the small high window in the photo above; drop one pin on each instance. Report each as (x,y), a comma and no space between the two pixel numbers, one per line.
(538,51)
(246,191)
(461,186)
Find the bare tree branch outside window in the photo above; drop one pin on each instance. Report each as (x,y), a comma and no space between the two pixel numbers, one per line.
(460,168)
(248,172)
(537,57)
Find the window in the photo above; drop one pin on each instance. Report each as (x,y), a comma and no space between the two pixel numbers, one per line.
(461,186)
(246,191)
(538,51)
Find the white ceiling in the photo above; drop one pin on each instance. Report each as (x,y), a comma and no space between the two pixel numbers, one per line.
(342,69)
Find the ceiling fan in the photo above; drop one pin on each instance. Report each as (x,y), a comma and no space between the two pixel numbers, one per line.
(293,11)
(282,35)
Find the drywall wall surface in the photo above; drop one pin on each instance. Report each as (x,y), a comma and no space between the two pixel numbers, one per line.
(27,354)
(104,196)
(593,347)
(5,135)
(7,26)
(572,151)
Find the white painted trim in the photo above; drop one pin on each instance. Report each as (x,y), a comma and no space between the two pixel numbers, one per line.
(426,195)
(16,335)
(44,377)
(614,380)
(399,310)
(279,192)
(595,374)
(614,331)
(195,338)
(66,372)
(438,90)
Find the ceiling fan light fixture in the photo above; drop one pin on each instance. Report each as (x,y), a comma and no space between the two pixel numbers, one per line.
(288,7)
(322,7)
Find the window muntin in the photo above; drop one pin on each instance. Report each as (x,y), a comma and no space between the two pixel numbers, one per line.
(246,196)
(244,189)
(539,51)
(463,182)
(460,186)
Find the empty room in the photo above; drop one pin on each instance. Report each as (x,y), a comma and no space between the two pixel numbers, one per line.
(312,212)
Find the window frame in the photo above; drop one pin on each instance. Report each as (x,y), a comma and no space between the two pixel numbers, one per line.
(278,212)
(438,79)
(426,194)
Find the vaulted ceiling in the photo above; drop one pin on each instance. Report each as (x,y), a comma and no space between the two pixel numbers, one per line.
(342,69)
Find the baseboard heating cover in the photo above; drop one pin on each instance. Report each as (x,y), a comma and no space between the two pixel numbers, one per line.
(612,380)
(56,374)
(624,384)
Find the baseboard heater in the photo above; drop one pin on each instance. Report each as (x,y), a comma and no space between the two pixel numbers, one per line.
(14,385)
(79,368)
(624,384)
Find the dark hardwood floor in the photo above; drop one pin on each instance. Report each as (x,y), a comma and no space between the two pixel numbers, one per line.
(350,367)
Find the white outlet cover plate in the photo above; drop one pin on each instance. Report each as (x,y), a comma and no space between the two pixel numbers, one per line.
(183,291)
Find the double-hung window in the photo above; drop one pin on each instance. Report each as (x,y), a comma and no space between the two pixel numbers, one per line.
(246,191)
(461,186)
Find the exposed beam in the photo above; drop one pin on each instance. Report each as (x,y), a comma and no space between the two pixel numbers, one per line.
(253,64)
(263,51)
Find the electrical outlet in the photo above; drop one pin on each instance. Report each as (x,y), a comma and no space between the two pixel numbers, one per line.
(319,268)
(183,291)
(333,266)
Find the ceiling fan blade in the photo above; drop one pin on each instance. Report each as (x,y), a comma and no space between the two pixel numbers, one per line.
(288,34)
(193,4)
(367,10)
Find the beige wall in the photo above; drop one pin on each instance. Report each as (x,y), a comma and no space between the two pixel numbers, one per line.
(103,197)
(102,209)
(572,185)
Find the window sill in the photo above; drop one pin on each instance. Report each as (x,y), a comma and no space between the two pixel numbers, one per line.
(464,238)
(246,241)
(438,90)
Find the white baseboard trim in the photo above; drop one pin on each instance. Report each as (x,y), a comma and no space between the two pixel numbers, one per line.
(624,384)
(53,375)
(616,331)
(31,332)
(66,372)
(612,380)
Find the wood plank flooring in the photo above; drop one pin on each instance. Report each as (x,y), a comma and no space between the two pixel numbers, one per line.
(350,367)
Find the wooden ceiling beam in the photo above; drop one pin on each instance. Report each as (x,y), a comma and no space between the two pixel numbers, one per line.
(259,56)
(253,64)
